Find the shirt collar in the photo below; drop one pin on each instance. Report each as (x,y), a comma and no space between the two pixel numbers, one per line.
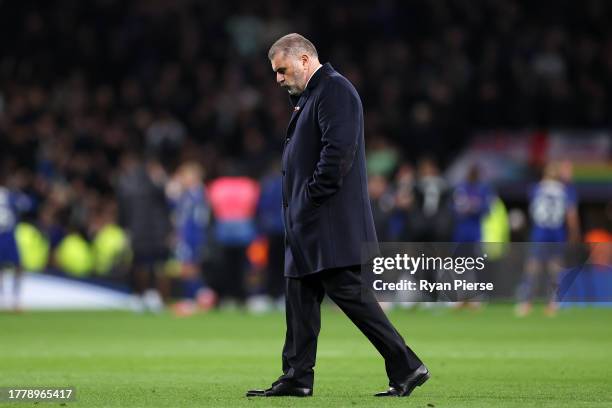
(315,71)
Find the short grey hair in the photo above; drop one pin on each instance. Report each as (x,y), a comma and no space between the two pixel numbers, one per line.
(293,44)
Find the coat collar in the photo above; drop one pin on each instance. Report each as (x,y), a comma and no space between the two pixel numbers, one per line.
(325,69)
(298,101)
(316,77)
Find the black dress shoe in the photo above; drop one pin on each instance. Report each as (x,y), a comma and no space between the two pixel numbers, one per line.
(416,379)
(281,389)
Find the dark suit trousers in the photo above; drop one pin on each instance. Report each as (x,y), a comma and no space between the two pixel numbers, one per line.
(303,314)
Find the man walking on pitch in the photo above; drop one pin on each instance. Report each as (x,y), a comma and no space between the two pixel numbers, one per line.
(327,217)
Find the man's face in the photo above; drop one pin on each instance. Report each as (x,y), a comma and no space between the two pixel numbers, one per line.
(290,72)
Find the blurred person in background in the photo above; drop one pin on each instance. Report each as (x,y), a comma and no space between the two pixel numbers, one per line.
(403,220)
(53,217)
(233,199)
(382,202)
(382,156)
(12,205)
(566,176)
(144,213)
(270,224)
(470,202)
(74,255)
(191,221)
(164,138)
(433,218)
(433,200)
(395,213)
(109,242)
(554,215)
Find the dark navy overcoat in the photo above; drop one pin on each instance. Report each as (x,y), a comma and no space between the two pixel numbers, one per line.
(326,209)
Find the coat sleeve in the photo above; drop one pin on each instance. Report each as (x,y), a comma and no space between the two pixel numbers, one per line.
(339,116)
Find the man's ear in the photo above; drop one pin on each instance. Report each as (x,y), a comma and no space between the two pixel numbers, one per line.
(305,60)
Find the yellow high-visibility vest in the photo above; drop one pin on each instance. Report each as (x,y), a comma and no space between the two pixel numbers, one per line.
(32,246)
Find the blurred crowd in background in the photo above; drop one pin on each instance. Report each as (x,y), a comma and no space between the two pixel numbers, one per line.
(115,115)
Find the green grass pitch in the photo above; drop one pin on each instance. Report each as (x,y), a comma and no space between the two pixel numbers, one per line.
(485,358)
